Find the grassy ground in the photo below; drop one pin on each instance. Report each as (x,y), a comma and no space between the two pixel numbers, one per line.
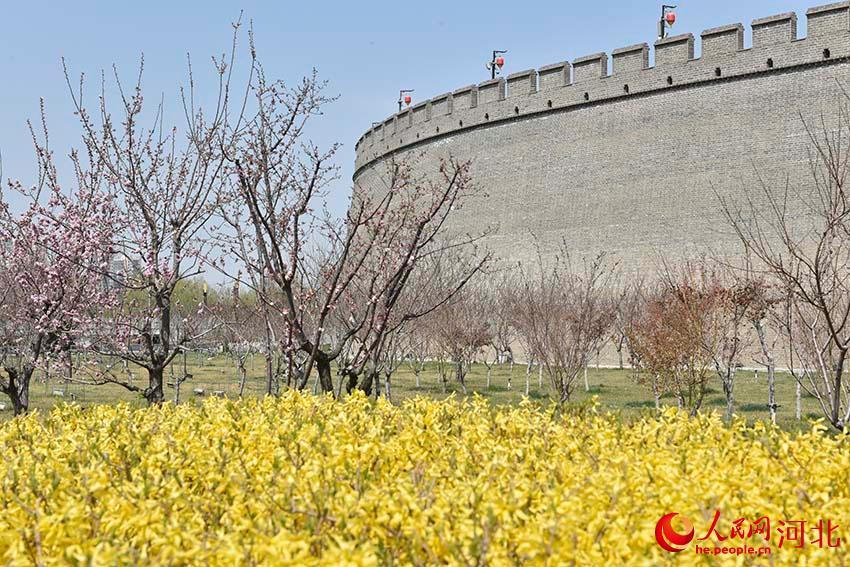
(616,389)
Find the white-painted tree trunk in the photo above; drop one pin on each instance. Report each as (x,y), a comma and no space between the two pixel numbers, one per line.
(799,408)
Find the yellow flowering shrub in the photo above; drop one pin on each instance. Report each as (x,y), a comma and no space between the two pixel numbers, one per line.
(305,480)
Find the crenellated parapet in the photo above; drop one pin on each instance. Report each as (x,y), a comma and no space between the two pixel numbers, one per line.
(589,80)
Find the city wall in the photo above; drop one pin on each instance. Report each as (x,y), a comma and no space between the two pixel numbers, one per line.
(612,154)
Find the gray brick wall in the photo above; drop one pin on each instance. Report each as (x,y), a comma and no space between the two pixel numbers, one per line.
(631,172)
(674,51)
(774,30)
(491,91)
(828,20)
(630,59)
(590,67)
(719,42)
(554,76)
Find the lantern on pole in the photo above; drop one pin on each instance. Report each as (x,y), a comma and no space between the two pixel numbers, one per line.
(404,97)
(668,18)
(496,63)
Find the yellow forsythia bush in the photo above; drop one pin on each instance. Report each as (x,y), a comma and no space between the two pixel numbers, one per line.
(304,480)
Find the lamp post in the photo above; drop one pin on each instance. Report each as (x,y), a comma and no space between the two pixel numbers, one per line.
(496,63)
(404,97)
(668,18)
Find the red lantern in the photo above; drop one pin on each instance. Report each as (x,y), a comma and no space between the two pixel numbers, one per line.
(670,18)
(407,99)
(500,62)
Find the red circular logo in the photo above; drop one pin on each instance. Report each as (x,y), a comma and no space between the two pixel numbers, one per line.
(668,538)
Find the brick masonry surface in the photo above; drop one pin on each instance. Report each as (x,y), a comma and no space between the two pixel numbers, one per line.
(630,162)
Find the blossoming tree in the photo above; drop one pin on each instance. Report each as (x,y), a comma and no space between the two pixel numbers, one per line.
(307,265)
(52,260)
(164,180)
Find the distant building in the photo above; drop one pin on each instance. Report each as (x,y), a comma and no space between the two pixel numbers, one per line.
(119,270)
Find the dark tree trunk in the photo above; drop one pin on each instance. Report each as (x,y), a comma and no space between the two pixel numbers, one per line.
(367,382)
(243,377)
(323,367)
(154,393)
(729,390)
(160,350)
(270,390)
(350,379)
(18,388)
(460,375)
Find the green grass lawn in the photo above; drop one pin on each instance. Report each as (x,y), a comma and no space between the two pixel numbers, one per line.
(616,389)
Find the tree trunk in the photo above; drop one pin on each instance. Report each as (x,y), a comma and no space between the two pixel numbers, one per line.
(511,375)
(367,381)
(837,391)
(460,376)
(540,376)
(586,382)
(528,375)
(387,386)
(441,370)
(728,389)
(19,389)
(269,373)
(153,393)
(799,406)
(771,368)
(489,376)
(70,373)
(180,379)
(323,367)
(656,393)
(243,377)
(771,392)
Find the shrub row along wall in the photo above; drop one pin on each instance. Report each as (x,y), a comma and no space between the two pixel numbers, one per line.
(629,161)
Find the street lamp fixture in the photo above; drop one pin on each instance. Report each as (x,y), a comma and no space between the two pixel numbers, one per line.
(496,63)
(668,18)
(404,97)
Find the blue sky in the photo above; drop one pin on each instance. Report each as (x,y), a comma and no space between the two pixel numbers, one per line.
(366,50)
